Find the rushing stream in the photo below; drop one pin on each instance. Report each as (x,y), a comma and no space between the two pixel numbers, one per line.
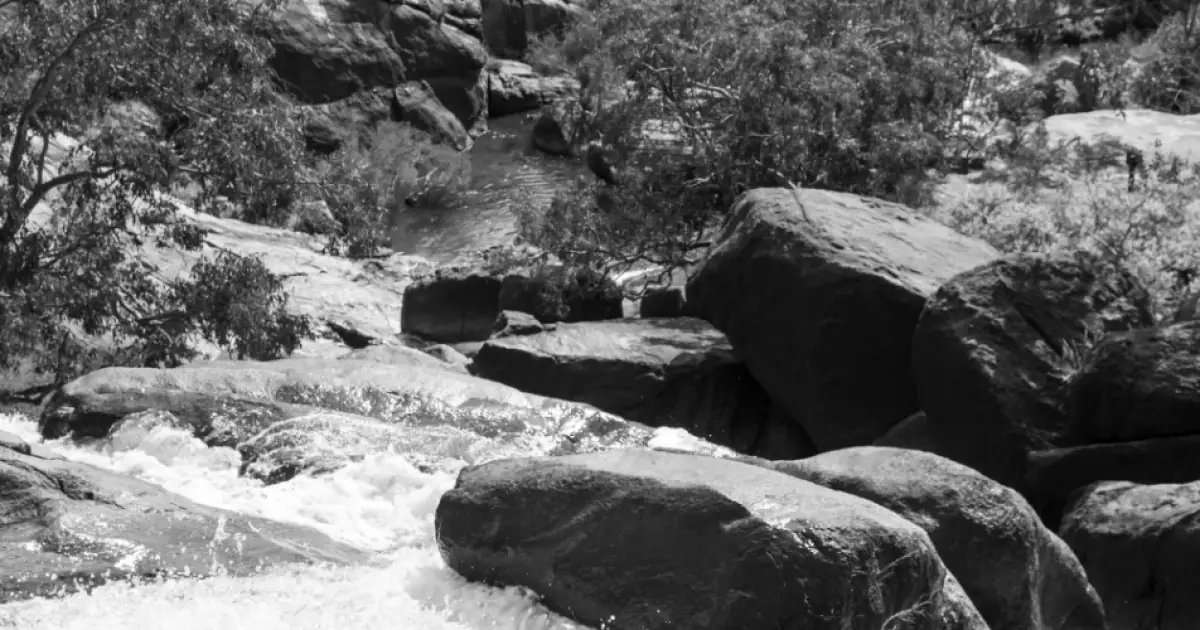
(383,504)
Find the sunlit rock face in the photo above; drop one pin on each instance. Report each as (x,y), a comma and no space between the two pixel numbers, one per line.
(68,525)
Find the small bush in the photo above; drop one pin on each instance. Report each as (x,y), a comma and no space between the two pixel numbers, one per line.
(1170,82)
(237,303)
(364,184)
(1053,195)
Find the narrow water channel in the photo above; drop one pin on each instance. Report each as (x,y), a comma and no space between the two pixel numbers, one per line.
(505,168)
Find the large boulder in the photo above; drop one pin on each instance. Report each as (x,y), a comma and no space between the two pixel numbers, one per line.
(820,293)
(1139,545)
(995,346)
(452,306)
(417,104)
(1019,574)
(638,539)
(662,372)
(1138,385)
(69,525)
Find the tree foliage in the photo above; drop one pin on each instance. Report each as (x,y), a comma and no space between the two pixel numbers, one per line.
(699,101)
(73,212)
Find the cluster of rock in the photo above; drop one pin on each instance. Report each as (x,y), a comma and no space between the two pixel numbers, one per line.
(824,323)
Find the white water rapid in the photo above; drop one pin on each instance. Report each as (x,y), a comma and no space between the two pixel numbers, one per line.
(383,504)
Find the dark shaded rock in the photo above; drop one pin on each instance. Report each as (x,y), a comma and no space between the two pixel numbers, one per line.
(510,25)
(1054,475)
(995,346)
(661,372)
(433,47)
(1019,574)
(68,525)
(514,87)
(619,539)
(516,324)
(914,432)
(820,293)
(665,302)
(549,136)
(321,63)
(452,306)
(1139,546)
(466,98)
(1138,385)
(417,104)
(557,294)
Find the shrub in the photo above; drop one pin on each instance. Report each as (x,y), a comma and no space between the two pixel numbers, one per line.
(1170,81)
(72,214)
(699,101)
(367,183)
(1056,195)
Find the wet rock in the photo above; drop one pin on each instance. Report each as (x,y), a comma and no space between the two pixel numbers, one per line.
(69,525)
(820,293)
(661,372)
(1138,545)
(1019,574)
(618,538)
(995,346)
(550,136)
(227,403)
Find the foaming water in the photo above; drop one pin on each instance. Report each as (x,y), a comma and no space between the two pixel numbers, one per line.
(382,503)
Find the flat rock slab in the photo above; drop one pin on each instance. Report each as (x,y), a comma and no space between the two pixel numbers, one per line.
(820,293)
(67,525)
(1139,545)
(649,540)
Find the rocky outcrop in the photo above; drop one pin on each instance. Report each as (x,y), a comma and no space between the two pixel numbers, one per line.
(660,372)
(514,87)
(1138,544)
(68,525)
(820,293)
(1019,574)
(509,26)
(327,51)
(622,538)
(995,346)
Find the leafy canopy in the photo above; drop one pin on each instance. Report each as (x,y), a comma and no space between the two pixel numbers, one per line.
(72,214)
